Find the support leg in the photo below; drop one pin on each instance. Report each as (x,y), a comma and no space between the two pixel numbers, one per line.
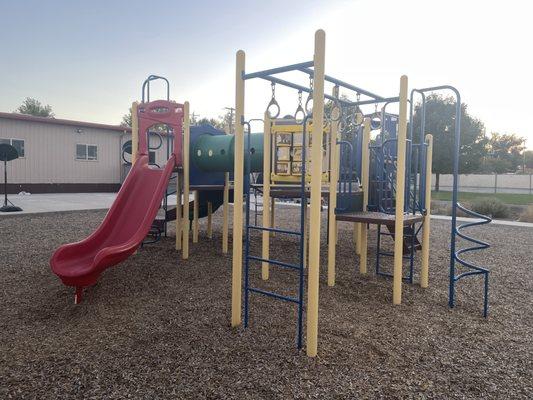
(78,294)
(363,256)
(225,215)
(210,220)
(195,216)
(179,210)
(186,219)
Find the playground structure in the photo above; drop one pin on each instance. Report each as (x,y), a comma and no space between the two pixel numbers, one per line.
(386,183)
(323,151)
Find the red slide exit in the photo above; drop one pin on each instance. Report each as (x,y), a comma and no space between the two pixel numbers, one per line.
(129,219)
(123,229)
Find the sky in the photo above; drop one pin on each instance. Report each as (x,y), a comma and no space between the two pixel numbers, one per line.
(88,59)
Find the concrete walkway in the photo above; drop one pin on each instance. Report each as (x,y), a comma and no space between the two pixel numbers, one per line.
(54,202)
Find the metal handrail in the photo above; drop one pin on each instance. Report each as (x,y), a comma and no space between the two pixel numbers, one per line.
(478,245)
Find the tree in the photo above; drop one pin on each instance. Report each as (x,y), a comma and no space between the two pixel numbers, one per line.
(440,122)
(214,122)
(126,119)
(528,159)
(225,122)
(505,153)
(31,106)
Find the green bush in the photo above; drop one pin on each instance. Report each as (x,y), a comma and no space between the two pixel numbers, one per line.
(490,206)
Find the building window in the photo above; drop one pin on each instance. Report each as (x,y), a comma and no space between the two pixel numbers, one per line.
(86,152)
(151,157)
(18,144)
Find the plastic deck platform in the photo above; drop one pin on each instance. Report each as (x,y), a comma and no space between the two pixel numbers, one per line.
(379,218)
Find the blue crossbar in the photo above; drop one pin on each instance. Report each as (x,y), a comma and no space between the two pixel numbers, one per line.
(275,262)
(274,295)
(279,70)
(302,88)
(260,228)
(344,84)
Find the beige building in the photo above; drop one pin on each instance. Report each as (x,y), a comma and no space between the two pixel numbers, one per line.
(58,155)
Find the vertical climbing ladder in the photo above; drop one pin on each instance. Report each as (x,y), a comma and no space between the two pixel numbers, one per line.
(300,234)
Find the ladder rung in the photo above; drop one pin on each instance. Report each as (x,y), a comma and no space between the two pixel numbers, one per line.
(260,228)
(405,278)
(390,254)
(274,295)
(275,262)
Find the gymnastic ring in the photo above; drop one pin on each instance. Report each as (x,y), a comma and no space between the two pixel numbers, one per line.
(357,116)
(309,100)
(299,110)
(336,106)
(273,103)
(375,121)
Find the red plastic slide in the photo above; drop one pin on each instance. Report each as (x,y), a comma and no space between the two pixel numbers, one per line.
(122,231)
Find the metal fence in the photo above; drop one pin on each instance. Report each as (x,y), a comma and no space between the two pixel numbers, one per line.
(494,183)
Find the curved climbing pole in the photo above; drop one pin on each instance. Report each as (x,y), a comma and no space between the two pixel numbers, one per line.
(457,257)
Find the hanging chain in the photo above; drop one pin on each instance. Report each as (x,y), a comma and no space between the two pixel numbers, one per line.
(311,84)
(299,98)
(273,86)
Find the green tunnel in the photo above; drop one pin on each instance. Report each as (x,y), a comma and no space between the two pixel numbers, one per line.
(215,153)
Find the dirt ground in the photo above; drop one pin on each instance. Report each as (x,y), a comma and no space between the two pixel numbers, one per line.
(158,327)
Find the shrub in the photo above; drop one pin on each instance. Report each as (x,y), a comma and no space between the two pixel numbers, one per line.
(490,206)
(527,216)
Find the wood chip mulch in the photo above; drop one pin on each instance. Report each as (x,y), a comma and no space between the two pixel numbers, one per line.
(158,327)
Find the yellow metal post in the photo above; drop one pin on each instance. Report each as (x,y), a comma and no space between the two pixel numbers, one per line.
(196,208)
(357,237)
(178,212)
(134,132)
(306,234)
(265,267)
(186,158)
(333,181)
(210,220)
(424,272)
(365,171)
(400,193)
(236,282)
(316,198)
(225,214)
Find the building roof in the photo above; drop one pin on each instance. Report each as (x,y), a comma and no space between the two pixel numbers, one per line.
(57,121)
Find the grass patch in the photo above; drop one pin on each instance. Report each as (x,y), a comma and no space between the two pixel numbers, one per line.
(507,198)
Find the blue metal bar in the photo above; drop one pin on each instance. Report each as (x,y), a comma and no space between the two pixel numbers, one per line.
(275,262)
(391,254)
(378,249)
(386,274)
(146,86)
(278,70)
(248,257)
(247,236)
(274,295)
(375,101)
(301,88)
(343,84)
(278,230)
(456,231)
(303,211)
